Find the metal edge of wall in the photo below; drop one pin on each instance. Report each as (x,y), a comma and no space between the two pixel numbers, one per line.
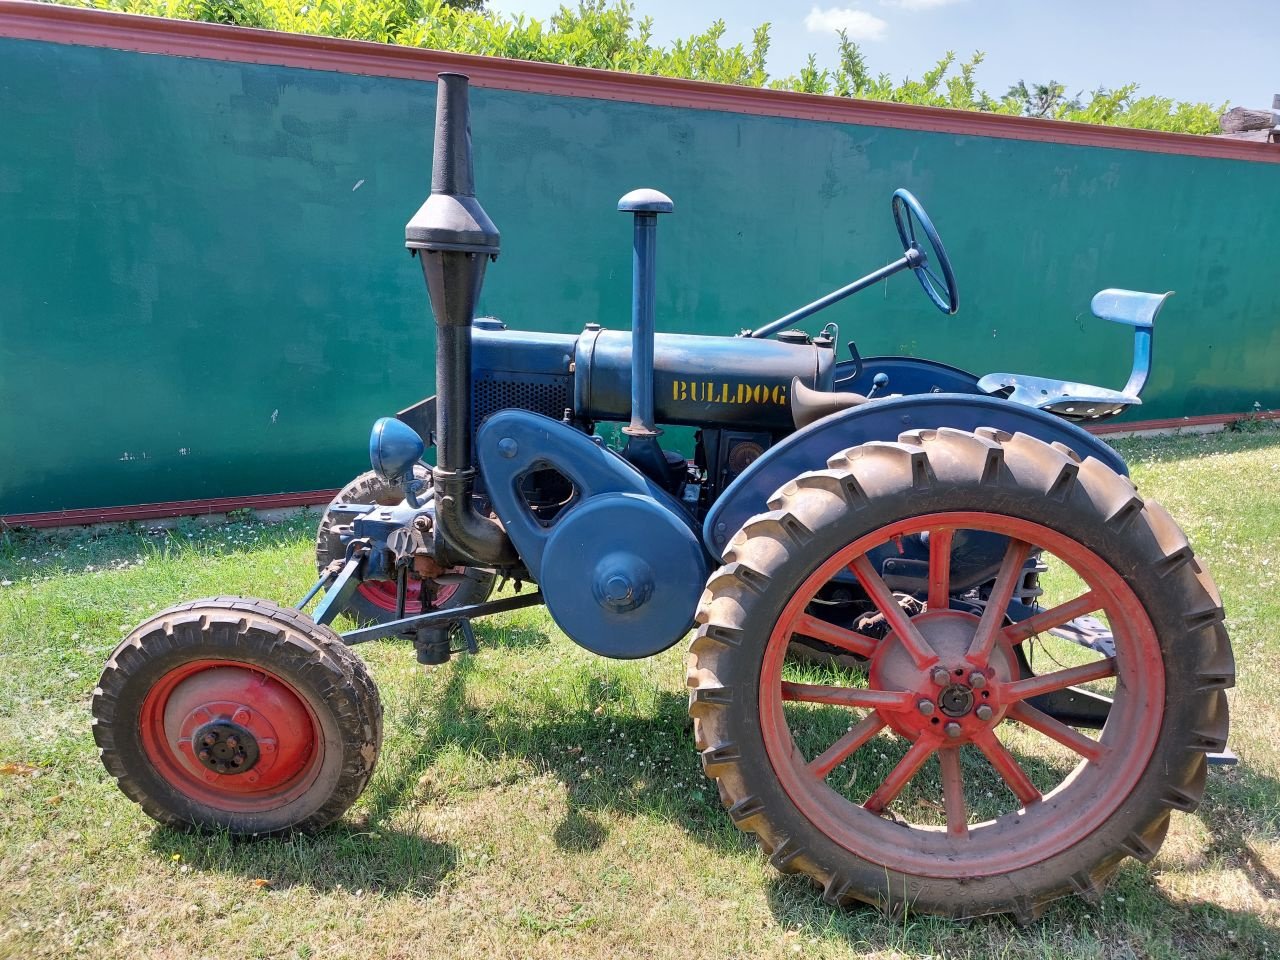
(27,20)
(275,501)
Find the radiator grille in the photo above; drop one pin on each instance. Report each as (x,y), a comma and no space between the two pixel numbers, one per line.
(547,395)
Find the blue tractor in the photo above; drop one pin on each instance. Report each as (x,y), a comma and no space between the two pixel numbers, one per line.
(945,656)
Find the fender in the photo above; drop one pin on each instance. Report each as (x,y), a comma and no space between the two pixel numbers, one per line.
(809,449)
(907,375)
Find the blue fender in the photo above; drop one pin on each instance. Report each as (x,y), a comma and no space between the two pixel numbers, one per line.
(809,449)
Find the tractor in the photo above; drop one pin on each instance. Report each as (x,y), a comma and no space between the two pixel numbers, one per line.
(945,657)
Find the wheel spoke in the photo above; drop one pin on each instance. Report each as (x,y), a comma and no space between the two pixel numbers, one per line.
(1046,620)
(894,615)
(953,792)
(901,775)
(847,696)
(848,640)
(937,283)
(1007,579)
(940,568)
(1069,737)
(840,751)
(1060,679)
(1005,765)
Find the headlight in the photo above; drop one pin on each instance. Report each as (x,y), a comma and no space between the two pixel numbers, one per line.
(394,448)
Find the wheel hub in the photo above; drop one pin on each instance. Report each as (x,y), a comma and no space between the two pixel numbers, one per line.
(956,700)
(957,696)
(225,747)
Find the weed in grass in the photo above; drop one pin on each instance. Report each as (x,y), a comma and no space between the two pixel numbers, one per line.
(537,801)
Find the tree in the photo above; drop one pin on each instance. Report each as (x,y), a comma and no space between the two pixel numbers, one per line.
(607,34)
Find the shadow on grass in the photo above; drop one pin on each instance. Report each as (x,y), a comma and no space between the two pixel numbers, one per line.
(630,764)
(1137,915)
(373,859)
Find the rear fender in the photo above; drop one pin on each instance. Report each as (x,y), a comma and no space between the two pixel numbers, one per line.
(810,448)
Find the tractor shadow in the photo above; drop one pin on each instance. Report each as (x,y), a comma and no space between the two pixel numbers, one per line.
(628,764)
(1140,914)
(348,856)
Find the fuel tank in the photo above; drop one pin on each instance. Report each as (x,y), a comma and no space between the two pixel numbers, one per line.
(698,380)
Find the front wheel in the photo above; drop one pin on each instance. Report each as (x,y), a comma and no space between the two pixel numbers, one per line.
(930,779)
(239,715)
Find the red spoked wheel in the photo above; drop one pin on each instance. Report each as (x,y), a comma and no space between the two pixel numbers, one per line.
(237,714)
(374,601)
(930,778)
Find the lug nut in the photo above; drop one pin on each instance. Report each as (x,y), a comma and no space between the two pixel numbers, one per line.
(205,755)
(984,713)
(232,742)
(977,679)
(940,676)
(209,739)
(925,707)
(952,730)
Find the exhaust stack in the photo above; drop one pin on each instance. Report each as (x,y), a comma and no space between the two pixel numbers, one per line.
(454,239)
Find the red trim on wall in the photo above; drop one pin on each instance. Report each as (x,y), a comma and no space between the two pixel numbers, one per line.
(97,28)
(1173,423)
(270,501)
(172,508)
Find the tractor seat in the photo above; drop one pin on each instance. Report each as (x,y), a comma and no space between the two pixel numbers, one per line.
(1084,401)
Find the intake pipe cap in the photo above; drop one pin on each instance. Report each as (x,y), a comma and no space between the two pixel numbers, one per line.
(452,219)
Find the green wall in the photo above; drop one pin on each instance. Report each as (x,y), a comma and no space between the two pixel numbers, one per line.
(203,289)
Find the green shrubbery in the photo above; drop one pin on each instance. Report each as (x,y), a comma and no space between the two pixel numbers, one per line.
(608,35)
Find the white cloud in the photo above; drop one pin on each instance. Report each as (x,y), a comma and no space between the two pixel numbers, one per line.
(918,4)
(859,24)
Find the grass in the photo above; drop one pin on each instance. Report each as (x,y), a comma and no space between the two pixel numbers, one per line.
(537,801)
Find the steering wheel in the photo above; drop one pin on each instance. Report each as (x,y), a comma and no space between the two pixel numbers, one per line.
(913,226)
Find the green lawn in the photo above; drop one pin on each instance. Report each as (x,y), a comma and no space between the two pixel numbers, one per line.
(537,801)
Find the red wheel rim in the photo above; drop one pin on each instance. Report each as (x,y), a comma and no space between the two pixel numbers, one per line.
(904,671)
(382,594)
(263,709)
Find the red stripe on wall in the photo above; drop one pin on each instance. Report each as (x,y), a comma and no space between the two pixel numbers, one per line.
(97,28)
(172,508)
(270,501)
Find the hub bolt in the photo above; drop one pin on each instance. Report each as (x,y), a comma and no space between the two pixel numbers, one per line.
(925,707)
(940,676)
(977,679)
(952,730)
(209,739)
(205,755)
(984,713)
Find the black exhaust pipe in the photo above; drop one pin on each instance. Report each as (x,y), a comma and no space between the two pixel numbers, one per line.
(455,239)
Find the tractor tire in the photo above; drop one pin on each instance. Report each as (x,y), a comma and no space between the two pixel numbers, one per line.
(239,715)
(900,833)
(374,601)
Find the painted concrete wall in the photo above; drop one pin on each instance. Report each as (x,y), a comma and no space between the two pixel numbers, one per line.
(204,293)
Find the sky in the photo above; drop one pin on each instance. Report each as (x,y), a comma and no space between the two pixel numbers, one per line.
(1197,50)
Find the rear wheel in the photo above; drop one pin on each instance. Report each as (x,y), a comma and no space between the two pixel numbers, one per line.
(240,715)
(928,779)
(374,601)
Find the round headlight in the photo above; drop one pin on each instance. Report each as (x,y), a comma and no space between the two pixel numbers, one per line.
(394,447)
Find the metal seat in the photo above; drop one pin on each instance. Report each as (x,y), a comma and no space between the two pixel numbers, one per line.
(1084,401)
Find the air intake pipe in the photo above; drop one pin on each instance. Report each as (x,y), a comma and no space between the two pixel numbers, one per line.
(454,239)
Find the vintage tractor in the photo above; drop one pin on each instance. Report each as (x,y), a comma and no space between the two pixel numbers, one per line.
(945,656)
